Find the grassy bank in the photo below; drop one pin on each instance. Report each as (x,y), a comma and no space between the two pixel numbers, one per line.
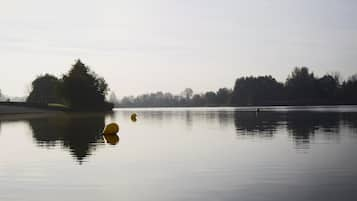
(23,108)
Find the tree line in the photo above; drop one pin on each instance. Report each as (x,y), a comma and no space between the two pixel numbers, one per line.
(301,87)
(186,98)
(82,89)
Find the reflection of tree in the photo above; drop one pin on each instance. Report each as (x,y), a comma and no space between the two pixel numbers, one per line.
(225,118)
(80,134)
(188,119)
(350,119)
(252,123)
(303,125)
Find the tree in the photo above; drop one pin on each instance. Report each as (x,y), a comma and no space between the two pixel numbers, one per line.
(83,89)
(187,93)
(301,84)
(257,91)
(45,90)
(197,100)
(349,90)
(210,98)
(224,96)
(328,87)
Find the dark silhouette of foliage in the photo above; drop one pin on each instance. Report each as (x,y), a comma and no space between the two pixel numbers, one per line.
(223,96)
(257,91)
(301,85)
(210,98)
(83,89)
(328,87)
(300,88)
(45,90)
(349,90)
(197,100)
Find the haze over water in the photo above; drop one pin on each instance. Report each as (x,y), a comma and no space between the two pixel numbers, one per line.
(281,153)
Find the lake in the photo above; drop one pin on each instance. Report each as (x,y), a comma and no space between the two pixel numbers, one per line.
(277,154)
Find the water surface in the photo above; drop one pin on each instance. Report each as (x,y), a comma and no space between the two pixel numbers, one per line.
(280,153)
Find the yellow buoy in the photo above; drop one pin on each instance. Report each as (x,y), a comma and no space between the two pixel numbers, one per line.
(111,129)
(133,117)
(112,139)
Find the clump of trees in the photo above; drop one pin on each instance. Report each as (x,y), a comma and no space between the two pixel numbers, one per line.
(80,89)
(301,87)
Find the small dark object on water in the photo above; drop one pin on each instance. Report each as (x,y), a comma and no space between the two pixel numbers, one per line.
(258,110)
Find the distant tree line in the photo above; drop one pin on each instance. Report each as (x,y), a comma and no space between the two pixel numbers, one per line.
(80,89)
(186,98)
(301,87)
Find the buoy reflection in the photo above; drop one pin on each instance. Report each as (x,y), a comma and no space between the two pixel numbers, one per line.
(112,139)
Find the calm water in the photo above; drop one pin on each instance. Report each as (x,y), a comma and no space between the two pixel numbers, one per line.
(281,153)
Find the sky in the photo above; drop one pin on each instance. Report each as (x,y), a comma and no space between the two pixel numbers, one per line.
(142,46)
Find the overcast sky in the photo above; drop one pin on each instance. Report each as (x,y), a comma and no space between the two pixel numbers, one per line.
(147,45)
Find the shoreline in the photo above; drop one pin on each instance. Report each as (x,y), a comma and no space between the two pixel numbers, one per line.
(9,108)
(239,106)
(22,109)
